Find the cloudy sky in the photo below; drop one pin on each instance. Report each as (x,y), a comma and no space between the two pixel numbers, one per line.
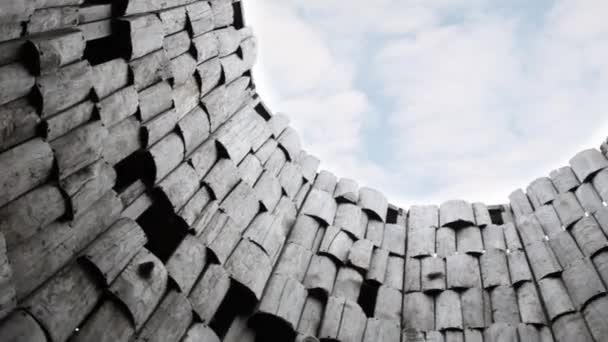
(428,100)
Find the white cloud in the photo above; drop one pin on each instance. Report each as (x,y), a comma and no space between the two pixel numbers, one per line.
(304,61)
(312,85)
(480,100)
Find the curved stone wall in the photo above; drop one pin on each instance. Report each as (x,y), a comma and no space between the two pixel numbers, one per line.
(147,193)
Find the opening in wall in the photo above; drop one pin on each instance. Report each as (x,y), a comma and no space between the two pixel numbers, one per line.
(391,214)
(496,214)
(130,169)
(236,302)
(164,229)
(367,298)
(107,39)
(102,50)
(239,20)
(263,111)
(272,334)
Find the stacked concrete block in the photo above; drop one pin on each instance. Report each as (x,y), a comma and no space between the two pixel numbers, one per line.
(114,117)
(564,242)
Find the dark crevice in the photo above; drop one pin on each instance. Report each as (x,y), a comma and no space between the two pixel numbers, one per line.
(496,216)
(105,49)
(367,297)
(372,215)
(222,153)
(129,170)
(236,302)
(239,19)
(391,215)
(263,111)
(164,230)
(269,328)
(30,57)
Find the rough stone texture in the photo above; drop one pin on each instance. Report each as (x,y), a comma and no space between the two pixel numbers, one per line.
(541,191)
(564,179)
(147,193)
(587,162)
(455,213)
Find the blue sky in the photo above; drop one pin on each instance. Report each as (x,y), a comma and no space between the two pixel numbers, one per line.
(429,100)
